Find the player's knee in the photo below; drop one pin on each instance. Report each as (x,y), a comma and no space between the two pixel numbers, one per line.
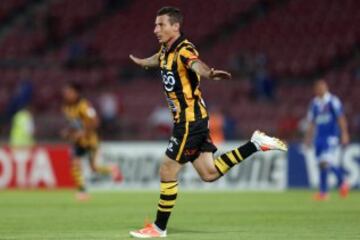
(166,173)
(162,171)
(209,176)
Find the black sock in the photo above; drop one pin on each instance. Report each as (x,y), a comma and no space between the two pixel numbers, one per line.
(162,219)
(247,149)
(166,203)
(227,160)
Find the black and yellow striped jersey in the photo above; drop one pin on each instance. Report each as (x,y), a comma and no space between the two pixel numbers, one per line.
(79,115)
(181,84)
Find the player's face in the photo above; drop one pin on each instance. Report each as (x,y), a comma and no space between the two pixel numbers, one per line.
(164,30)
(69,95)
(320,88)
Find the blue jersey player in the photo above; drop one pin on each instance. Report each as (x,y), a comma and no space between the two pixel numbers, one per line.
(327,130)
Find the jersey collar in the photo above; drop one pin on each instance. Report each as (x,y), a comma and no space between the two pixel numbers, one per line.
(177,42)
(325,99)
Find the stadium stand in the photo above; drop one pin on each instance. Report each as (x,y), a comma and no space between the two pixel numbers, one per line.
(7,8)
(298,39)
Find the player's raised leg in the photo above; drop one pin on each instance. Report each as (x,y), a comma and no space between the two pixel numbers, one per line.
(211,169)
(169,170)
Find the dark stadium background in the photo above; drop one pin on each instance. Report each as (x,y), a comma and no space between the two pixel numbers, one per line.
(274,49)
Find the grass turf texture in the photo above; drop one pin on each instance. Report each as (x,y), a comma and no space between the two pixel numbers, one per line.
(228,215)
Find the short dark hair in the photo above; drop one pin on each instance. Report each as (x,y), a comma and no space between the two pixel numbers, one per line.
(175,15)
(75,86)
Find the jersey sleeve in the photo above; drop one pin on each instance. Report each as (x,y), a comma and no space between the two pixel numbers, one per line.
(188,55)
(337,106)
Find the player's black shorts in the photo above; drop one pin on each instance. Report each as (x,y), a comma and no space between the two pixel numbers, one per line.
(80,151)
(188,140)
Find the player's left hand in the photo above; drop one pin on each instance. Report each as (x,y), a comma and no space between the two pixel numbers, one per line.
(219,75)
(138,61)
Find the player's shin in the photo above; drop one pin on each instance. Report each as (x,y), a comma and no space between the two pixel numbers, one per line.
(227,160)
(77,175)
(168,194)
(103,170)
(324,169)
(338,171)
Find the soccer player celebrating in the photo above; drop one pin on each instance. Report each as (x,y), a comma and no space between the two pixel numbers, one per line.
(327,127)
(81,132)
(181,70)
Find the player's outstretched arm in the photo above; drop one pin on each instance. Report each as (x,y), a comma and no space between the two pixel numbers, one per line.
(309,134)
(203,70)
(345,138)
(152,61)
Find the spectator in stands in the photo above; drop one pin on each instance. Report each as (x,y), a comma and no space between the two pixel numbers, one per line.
(22,95)
(109,109)
(242,63)
(288,126)
(263,84)
(76,53)
(82,54)
(230,130)
(161,121)
(22,128)
(216,125)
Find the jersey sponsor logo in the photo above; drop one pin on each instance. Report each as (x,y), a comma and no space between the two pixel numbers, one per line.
(168,80)
(323,118)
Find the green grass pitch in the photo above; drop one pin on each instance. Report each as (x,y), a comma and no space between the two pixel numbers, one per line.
(218,215)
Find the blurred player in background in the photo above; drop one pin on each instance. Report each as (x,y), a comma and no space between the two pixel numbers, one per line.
(327,129)
(181,70)
(81,132)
